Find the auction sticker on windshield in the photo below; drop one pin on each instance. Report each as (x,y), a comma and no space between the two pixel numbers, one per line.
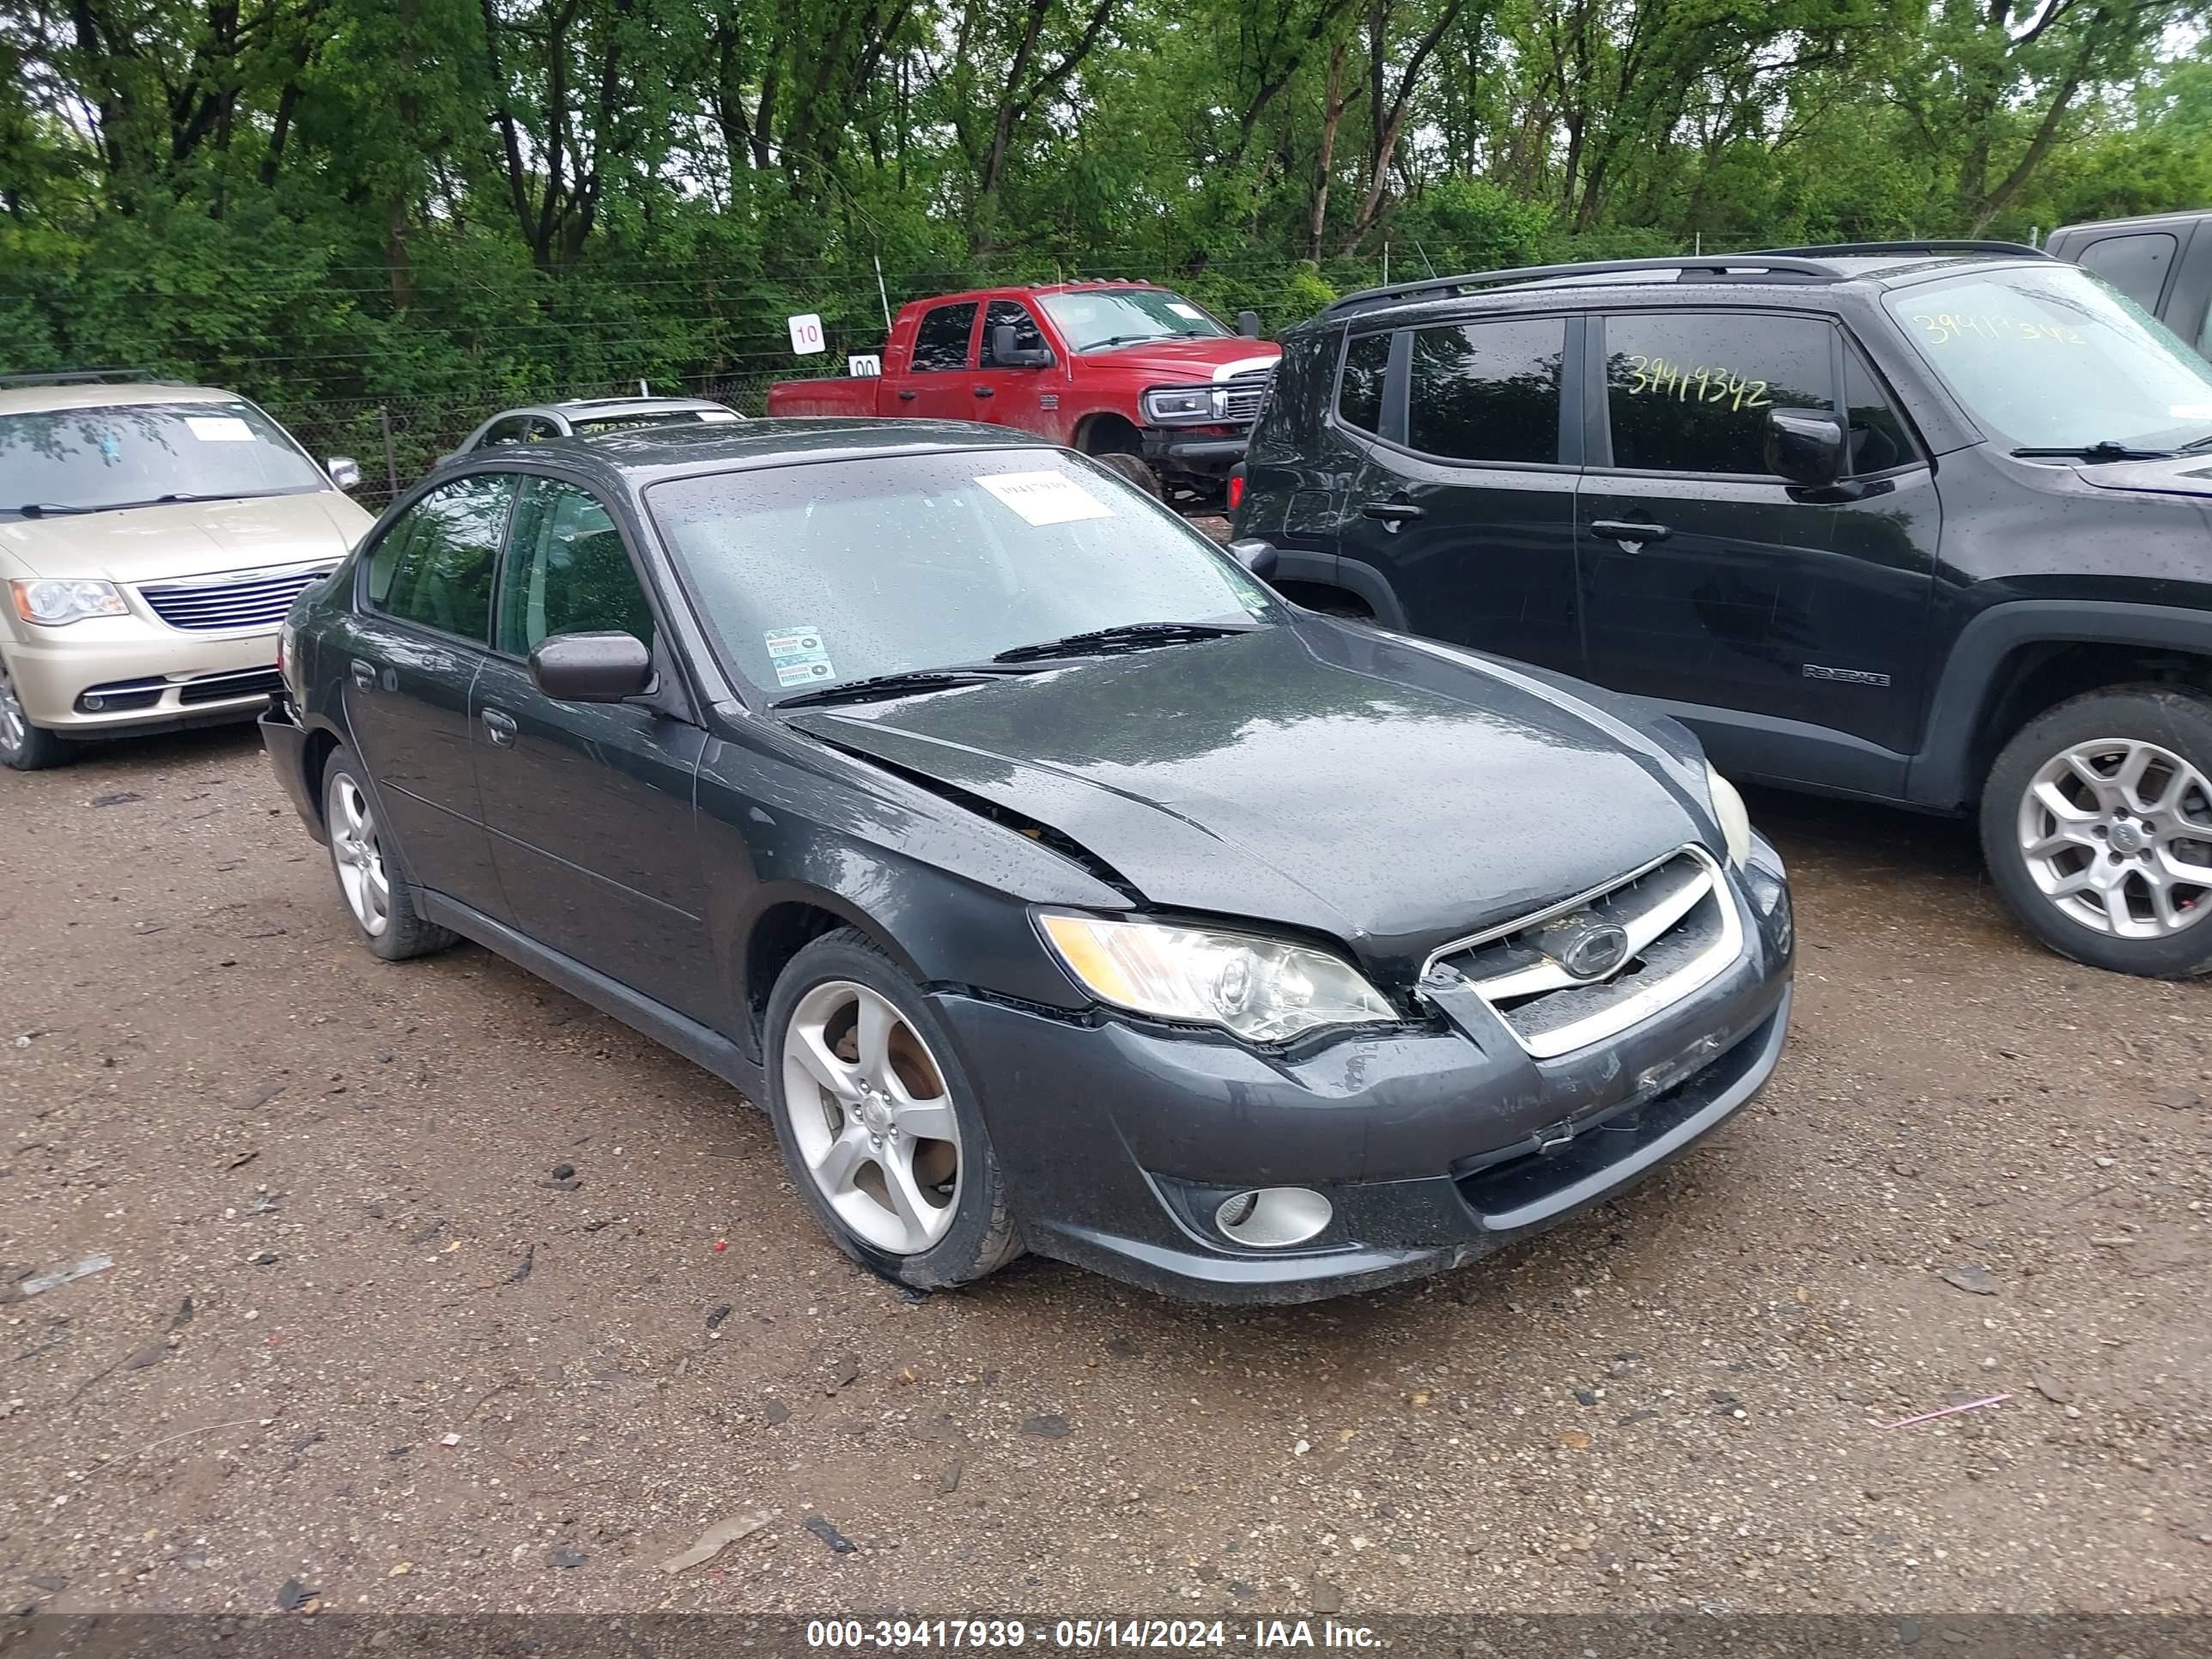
(798,655)
(219,429)
(1044,498)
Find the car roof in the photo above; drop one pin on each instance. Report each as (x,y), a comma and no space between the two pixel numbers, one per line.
(108,394)
(648,453)
(574,406)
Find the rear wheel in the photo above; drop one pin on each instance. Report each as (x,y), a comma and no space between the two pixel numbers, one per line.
(366,863)
(877,1122)
(2097,823)
(23,746)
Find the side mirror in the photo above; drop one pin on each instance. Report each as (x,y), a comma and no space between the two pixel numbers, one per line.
(1248,324)
(1805,448)
(592,667)
(1005,354)
(344,471)
(1255,555)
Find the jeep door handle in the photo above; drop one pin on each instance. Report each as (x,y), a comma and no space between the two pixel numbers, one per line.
(1630,531)
(501,728)
(1394,512)
(986,392)
(364,674)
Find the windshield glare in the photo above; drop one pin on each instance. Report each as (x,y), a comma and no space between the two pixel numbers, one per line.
(2056,359)
(1094,317)
(815,574)
(132,453)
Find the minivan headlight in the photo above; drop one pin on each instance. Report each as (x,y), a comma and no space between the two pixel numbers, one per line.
(1264,990)
(50,602)
(1728,808)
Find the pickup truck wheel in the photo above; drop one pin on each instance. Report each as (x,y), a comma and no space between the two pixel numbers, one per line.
(2097,824)
(877,1123)
(25,747)
(1136,469)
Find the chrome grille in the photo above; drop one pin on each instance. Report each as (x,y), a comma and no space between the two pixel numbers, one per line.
(1681,927)
(253,599)
(1246,392)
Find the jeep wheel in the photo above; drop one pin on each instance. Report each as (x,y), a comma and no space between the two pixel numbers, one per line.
(2097,823)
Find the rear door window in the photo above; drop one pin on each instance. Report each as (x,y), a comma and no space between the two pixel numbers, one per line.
(1689,392)
(1488,391)
(2135,264)
(1359,392)
(433,566)
(941,341)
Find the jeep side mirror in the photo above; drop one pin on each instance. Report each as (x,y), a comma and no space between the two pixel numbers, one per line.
(1248,324)
(1256,555)
(344,471)
(1005,354)
(1805,448)
(592,667)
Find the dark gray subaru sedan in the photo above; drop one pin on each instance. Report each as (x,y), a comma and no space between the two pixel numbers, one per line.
(1054,884)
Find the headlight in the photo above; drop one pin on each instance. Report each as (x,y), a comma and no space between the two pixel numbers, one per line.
(1168,405)
(50,602)
(1735,823)
(1264,990)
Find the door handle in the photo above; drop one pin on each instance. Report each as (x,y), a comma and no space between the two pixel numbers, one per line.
(364,674)
(1393,513)
(906,394)
(986,392)
(501,728)
(1630,531)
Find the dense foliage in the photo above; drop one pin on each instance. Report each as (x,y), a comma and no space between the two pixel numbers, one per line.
(420,204)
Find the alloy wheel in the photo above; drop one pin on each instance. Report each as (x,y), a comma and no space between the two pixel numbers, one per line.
(15,729)
(359,858)
(872,1118)
(2117,833)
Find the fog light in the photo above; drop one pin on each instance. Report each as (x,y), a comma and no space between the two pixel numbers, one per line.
(92,705)
(1271,1218)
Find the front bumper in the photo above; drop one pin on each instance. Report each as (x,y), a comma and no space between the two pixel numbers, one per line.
(1203,452)
(1119,1140)
(125,676)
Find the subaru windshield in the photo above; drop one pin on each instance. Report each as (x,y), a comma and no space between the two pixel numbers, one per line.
(120,455)
(2048,358)
(1093,319)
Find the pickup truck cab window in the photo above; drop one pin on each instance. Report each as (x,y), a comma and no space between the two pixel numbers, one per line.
(1028,336)
(1688,392)
(941,341)
(2049,357)
(433,566)
(2135,264)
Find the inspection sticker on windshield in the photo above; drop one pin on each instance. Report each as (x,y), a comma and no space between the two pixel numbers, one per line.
(219,429)
(716,417)
(1182,310)
(798,655)
(1046,497)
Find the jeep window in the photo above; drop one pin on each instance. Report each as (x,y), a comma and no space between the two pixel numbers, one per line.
(1028,336)
(1359,393)
(1878,442)
(433,566)
(1488,391)
(1688,392)
(2048,357)
(143,454)
(1094,319)
(941,342)
(813,574)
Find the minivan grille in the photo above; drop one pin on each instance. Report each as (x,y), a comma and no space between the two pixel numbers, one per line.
(1682,929)
(255,598)
(1246,393)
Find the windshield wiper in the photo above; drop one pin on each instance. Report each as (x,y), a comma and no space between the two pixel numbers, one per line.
(2196,445)
(1128,636)
(1122,339)
(2108,449)
(43,509)
(893,686)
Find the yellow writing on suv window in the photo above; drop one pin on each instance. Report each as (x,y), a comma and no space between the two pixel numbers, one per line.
(1941,327)
(1698,383)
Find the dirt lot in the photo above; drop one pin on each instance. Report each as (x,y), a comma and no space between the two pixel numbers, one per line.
(326,1185)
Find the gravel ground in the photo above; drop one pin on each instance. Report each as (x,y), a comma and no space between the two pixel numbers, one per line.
(358,1339)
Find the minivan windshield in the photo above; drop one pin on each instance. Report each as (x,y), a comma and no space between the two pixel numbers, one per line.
(2049,357)
(140,454)
(1094,319)
(827,572)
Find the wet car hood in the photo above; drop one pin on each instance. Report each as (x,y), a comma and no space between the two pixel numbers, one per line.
(1384,792)
(189,539)
(2185,474)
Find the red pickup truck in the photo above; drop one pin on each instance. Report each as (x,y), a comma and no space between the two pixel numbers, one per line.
(1135,375)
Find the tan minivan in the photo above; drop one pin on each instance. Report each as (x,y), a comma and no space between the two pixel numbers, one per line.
(152,538)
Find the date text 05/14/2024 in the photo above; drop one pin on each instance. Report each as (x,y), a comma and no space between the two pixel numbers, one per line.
(1084,1635)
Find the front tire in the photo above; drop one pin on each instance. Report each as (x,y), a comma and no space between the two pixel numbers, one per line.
(366,863)
(2097,823)
(877,1123)
(25,747)
(1136,469)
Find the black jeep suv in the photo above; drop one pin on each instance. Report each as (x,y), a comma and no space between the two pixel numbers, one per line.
(1921,524)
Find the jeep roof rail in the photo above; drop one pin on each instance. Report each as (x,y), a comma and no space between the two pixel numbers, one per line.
(1860,250)
(80,377)
(1788,267)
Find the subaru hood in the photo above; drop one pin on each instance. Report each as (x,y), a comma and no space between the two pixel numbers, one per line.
(187,538)
(1381,791)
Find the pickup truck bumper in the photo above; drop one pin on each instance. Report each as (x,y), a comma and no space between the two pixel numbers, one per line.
(1209,456)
